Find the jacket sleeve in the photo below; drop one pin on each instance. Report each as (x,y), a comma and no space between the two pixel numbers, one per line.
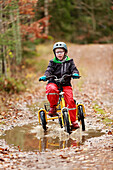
(74,68)
(49,71)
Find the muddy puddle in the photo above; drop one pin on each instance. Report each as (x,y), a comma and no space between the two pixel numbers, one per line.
(31,137)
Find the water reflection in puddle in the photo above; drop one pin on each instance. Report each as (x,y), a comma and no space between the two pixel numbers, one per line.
(32,137)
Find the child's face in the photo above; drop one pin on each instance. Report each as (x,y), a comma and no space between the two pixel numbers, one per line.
(60,53)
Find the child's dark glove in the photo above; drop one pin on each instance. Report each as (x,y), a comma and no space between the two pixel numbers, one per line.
(43,78)
(75,76)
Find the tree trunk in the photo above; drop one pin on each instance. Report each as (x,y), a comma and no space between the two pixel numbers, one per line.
(19,39)
(93,17)
(4,70)
(1,26)
(46,14)
(15,37)
(3,47)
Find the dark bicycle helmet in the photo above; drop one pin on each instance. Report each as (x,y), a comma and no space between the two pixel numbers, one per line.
(60,45)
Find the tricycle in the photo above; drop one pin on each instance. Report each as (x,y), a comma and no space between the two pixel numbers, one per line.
(62,113)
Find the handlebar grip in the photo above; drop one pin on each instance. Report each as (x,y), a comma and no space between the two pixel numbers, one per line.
(40,79)
(76,77)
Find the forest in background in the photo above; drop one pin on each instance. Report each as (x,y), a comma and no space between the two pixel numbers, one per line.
(27,23)
(79,21)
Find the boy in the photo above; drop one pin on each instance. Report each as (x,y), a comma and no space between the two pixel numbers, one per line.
(61,64)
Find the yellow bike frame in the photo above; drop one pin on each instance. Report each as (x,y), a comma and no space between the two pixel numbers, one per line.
(62,104)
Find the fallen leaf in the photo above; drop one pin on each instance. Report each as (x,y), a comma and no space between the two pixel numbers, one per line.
(63,157)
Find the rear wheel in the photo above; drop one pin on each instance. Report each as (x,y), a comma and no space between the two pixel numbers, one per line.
(81,116)
(43,119)
(66,122)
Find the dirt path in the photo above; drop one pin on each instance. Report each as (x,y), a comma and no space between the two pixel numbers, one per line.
(96,67)
(95,90)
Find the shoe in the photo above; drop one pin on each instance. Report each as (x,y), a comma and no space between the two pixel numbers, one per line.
(75,125)
(52,111)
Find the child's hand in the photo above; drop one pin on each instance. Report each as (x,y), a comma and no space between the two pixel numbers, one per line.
(75,76)
(43,78)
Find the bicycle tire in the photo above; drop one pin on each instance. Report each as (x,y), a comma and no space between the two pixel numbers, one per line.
(81,116)
(60,122)
(66,122)
(43,119)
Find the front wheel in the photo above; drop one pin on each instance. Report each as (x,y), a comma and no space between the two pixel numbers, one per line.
(43,119)
(66,122)
(60,122)
(81,116)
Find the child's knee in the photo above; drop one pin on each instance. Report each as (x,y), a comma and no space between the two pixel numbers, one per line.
(52,87)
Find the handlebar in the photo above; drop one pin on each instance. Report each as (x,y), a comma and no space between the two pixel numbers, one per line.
(51,76)
(60,80)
